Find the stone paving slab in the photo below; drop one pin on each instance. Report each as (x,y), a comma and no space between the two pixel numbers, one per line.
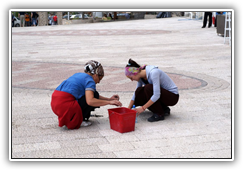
(200,125)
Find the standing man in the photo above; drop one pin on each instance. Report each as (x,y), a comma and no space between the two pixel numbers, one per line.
(34,17)
(21,15)
(206,14)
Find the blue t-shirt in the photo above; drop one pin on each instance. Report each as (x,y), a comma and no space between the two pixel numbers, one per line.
(77,84)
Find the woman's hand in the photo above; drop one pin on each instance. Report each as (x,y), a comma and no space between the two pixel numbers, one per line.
(139,110)
(115,102)
(115,97)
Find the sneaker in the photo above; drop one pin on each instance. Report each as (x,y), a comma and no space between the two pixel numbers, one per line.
(155,118)
(167,111)
(86,123)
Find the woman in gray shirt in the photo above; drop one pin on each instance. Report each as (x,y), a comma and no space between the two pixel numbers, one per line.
(155,90)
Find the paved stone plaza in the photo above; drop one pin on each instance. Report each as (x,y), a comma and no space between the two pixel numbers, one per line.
(196,59)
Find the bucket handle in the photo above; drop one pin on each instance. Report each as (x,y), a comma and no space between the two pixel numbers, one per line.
(111,114)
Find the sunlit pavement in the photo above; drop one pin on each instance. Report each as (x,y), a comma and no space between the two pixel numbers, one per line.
(196,59)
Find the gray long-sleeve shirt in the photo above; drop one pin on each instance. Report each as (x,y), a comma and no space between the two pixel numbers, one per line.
(159,79)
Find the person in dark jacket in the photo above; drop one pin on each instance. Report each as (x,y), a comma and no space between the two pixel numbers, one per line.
(34,17)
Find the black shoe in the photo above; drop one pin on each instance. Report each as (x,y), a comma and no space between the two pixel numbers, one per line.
(209,26)
(203,26)
(167,111)
(155,118)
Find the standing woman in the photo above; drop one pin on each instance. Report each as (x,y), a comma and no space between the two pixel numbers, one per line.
(76,97)
(155,90)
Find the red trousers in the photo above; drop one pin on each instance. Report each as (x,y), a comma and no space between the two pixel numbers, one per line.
(66,107)
(143,94)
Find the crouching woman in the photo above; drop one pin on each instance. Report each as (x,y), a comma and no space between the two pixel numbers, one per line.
(75,98)
(155,90)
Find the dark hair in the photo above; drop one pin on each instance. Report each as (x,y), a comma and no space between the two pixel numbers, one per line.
(132,63)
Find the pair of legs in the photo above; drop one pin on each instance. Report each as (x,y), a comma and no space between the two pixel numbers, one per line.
(86,109)
(206,15)
(143,94)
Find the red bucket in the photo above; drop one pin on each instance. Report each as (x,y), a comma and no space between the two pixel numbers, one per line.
(122,119)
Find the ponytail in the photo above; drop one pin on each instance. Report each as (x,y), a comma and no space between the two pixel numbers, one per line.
(132,63)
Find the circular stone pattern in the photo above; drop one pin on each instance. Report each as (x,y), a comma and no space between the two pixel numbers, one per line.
(40,75)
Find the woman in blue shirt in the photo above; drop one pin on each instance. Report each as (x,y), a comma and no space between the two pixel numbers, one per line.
(76,97)
(155,90)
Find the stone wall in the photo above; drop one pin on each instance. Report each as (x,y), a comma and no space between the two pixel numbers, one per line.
(59,18)
(139,15)
(43,19)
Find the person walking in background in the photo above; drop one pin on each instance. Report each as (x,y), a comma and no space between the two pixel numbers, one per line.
(34,17)
(21,16)
(55,19)
(50,19)
(27,19)
(206,15)
(12,20)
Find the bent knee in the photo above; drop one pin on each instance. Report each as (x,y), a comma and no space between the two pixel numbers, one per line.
(148,87)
